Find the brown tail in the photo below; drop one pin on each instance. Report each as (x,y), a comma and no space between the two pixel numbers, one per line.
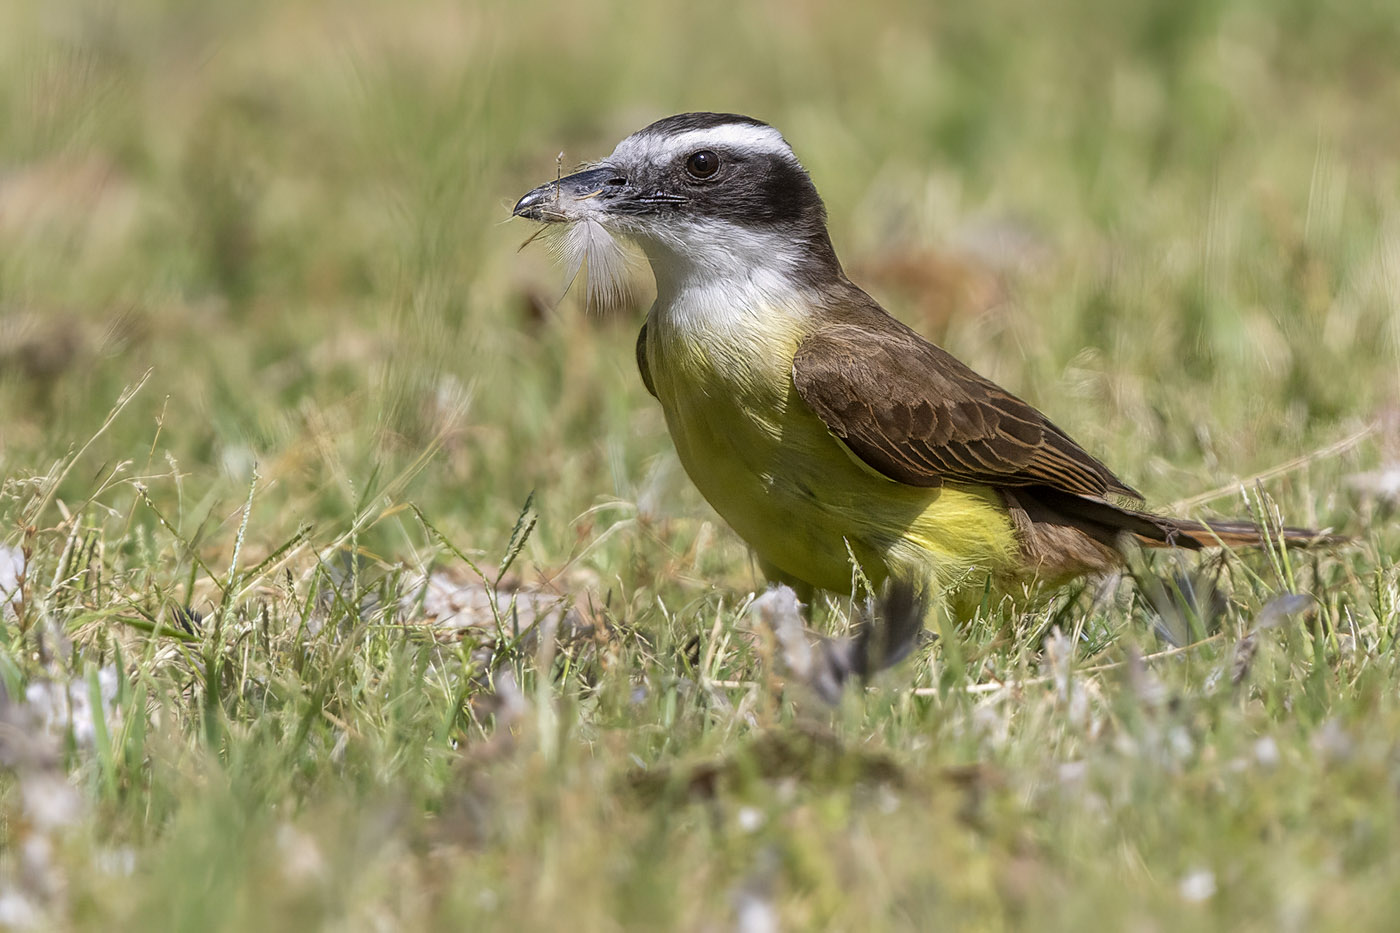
(1182,532)
(1105,521)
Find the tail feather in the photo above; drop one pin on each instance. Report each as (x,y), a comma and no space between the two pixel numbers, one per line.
(1104,521)
(1182,532)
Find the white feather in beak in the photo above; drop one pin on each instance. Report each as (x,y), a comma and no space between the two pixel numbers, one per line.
(586,242)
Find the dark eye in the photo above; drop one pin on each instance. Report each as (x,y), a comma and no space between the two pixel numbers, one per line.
(702,164)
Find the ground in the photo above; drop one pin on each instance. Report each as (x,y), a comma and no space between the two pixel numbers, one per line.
(350,578)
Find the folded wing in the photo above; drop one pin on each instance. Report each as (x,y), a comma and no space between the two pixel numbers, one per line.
(915,414)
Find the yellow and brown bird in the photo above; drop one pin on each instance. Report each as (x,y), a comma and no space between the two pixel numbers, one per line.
(821,428)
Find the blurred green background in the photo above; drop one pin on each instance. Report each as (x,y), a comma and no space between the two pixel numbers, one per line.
(1169,224)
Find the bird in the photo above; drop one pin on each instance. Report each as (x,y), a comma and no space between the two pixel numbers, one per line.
(841,445)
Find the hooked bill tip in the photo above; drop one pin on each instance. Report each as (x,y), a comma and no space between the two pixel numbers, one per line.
(529,206)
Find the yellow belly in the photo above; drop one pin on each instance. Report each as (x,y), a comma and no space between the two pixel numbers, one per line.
(774,472)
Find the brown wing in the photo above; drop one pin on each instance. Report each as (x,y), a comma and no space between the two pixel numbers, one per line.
(642,359)
(917,415)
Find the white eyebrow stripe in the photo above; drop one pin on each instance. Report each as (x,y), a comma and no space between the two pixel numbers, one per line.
(742,137)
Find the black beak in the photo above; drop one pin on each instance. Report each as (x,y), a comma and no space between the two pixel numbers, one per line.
(572,197)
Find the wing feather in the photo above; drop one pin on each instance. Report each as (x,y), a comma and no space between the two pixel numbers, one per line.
(642,366)
(917,415)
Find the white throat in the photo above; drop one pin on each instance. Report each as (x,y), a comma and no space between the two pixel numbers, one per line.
(713,275)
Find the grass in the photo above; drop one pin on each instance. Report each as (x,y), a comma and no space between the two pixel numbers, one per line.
(269,357)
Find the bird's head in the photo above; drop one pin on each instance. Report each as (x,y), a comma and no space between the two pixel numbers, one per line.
(702,194)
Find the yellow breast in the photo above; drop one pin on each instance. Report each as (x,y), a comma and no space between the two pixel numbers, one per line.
(771,468)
